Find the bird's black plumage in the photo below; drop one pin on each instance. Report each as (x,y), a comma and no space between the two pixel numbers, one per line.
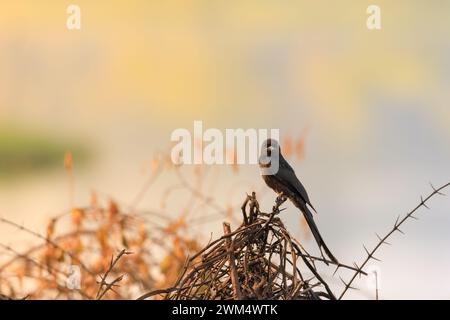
(285,181)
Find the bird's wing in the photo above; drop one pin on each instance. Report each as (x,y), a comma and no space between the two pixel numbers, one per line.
(287,175)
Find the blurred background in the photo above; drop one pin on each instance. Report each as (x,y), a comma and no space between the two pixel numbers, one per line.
(364,114)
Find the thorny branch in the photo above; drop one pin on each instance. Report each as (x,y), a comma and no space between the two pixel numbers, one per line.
(383,240)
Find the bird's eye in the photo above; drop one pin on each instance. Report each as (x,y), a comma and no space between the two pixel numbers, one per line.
(269,151)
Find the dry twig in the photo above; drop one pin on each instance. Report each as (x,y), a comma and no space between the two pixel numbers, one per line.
(104,286)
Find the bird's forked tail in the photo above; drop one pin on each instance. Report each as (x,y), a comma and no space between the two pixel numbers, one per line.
(315,231)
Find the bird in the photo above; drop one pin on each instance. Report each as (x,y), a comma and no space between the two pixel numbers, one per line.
(284,181)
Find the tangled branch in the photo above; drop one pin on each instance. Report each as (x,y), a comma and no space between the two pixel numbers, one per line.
(258,260)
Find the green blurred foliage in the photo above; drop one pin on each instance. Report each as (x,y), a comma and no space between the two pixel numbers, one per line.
(25,151)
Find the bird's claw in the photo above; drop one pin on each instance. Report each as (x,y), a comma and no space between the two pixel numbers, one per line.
(281,197)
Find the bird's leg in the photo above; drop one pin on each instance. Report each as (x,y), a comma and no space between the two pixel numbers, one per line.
(276,208)
(281,198)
